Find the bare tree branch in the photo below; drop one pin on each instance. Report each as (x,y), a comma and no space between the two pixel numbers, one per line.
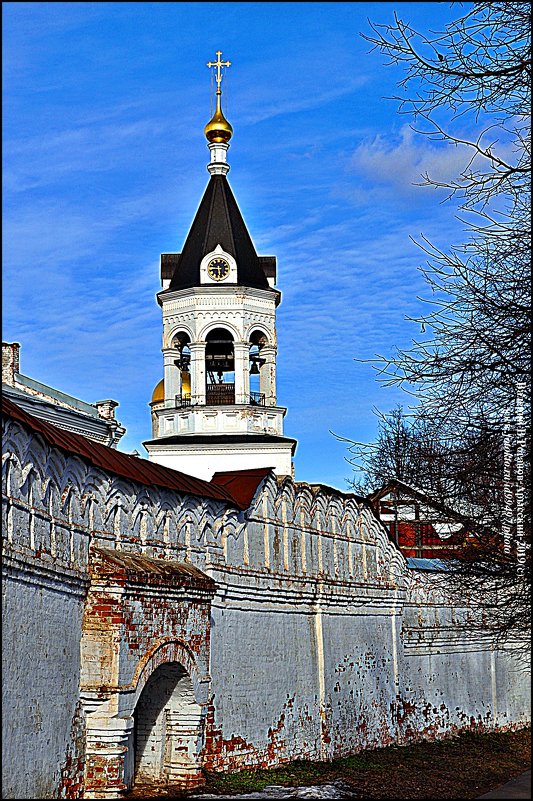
(468,86)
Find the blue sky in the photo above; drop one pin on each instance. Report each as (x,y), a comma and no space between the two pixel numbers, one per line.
(105,164)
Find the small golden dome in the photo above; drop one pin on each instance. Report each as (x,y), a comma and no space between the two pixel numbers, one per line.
(218,128)
(158,394)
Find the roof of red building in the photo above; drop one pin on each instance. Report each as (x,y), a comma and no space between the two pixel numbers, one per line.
(241,484)
(122,464)
(414,492)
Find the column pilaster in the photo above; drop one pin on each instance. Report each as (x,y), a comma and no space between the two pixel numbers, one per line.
(171,374)
(108,743)
(197,373)
(241,354)
(267,378)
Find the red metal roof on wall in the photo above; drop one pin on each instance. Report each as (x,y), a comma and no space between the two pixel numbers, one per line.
(122,464)
(242,484)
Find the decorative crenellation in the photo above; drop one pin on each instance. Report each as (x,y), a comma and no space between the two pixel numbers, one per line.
(56,505)
(291,528)
(294,537)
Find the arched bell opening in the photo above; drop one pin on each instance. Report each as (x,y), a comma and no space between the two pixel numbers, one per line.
(220,368)
(257,395)
(168,730)
(181,343)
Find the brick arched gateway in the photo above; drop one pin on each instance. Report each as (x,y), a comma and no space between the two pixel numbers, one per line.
(168,730)
(145,680)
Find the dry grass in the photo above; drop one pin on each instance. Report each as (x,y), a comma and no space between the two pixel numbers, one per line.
(461,767)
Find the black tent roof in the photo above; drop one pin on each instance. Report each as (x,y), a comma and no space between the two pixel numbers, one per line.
(218,221)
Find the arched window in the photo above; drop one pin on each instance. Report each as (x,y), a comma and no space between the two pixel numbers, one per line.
(181,342)
(257,340)
(220,368)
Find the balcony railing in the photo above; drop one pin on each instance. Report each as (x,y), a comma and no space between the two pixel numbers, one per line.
(220,394)
(257,399)
(216,395)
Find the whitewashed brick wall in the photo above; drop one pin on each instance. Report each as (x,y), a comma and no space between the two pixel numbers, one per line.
(322,642)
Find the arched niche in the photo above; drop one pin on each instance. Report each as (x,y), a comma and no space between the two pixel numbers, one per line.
(167,730)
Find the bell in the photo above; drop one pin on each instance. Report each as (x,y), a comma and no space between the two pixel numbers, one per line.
(254,370)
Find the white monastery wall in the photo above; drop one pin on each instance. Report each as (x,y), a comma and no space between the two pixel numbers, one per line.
(304,635)
(44,585)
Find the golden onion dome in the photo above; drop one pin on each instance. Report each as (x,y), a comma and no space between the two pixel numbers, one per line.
(218,128)
(158,394)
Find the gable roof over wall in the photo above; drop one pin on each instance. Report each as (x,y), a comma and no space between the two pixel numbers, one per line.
(242,484)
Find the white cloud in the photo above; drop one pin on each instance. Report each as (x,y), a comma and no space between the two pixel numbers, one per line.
(293,99)
(401,164)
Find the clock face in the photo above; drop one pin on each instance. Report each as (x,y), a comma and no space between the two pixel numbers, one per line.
(218,269)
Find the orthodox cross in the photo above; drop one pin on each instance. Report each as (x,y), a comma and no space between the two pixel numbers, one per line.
(218,64)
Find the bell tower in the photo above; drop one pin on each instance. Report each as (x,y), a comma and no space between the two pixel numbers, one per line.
(216,409)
